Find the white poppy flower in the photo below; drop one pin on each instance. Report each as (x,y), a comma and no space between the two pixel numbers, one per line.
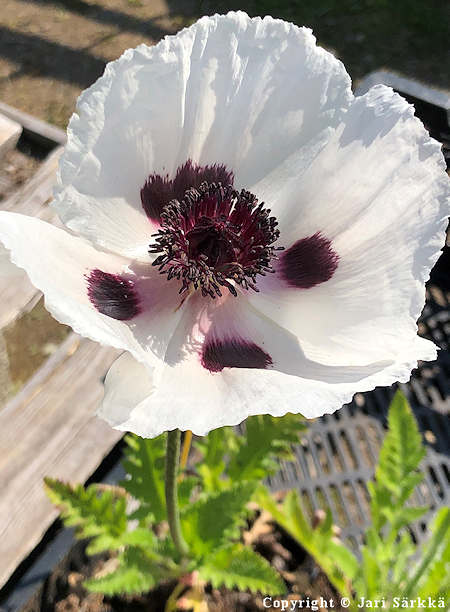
(251,117)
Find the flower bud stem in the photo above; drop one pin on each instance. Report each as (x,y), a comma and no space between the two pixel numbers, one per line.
(173,511)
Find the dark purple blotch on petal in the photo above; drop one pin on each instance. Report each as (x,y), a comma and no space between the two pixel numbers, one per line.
(113,295)
(160,190)
(236,353)
(308,262)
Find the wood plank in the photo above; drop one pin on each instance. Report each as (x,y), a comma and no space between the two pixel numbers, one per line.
(10,132)
(18,294)
(49,429)
(40,131)
(38,191)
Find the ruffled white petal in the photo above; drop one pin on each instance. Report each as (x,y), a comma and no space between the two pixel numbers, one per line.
(201,401)
(230,89)
(182,394)
(57,264)
(379,193)
(127,384)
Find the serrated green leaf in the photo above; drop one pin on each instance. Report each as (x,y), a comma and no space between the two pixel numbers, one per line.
(402,448)
(434,552)
(371,573)
(293,513)
(142,538)
(396,475)
(125,580)
(211,476)
(144,463)
(401,566)
(387,556)
(342,558)
(214,447)
(95,512)
(240,567)
(165,548)
(266,439)
(185,489)
(406,516)
(215,518)
(326,526)
(435,581)
(136,574)
(336,560)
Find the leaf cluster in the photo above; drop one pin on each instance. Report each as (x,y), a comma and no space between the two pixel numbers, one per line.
(391,564)
(213,498)
(228,457)
(99,513)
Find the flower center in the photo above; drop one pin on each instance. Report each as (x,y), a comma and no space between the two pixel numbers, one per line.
(215,237)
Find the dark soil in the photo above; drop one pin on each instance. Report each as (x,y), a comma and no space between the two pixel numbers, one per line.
(64,592)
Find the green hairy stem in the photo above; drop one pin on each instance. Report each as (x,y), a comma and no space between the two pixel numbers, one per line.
(171,486)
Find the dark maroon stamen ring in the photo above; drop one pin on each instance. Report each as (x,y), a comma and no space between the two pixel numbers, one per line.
(215,237)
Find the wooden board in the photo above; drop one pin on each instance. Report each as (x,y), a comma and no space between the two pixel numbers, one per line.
(18,294)
(49,429)
(10,132)
(42,132)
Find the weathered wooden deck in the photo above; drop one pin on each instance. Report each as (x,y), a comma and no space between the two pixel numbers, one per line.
(49,427)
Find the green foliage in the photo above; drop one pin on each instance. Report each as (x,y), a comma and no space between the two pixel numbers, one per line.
(144,464)
(96,513)
(213,500)
(214,447)
(186,489)
(239,567)
(215,518)
(336,560)
(214,506)
(396,477)
(229,457)
(266,439)
(391,566)
(100,515)
(136,573)
(431,576)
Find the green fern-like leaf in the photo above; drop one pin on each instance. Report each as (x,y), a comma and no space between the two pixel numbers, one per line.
(144,464)
(142,538)
(388,550)
(215,518)
(240,567)
(215,447)
(401,567)
(336,560)
(95,512)
(136,574)
(185,490)
(431,576)
(266,439)
(396,475)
